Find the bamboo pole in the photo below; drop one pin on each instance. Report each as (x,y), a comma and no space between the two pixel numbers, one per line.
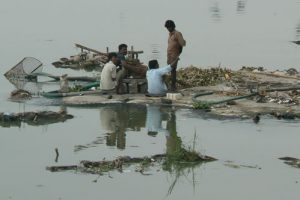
(101,53)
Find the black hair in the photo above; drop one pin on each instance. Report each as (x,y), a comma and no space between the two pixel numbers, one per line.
(170,24)
(152,64)
(121,46)
(152,133)
(111,55)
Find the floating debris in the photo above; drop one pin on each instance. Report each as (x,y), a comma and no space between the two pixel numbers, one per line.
(19,95)
(285,115)
(296,42)
(100,167)
(33,118)
(294,162)
(233,165)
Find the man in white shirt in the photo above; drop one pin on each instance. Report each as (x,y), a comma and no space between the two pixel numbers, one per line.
(156,85)
(109,73)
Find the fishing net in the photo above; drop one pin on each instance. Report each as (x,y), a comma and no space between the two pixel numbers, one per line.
(24,68)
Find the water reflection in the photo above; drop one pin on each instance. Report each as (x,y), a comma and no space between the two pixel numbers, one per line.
(215,12)
(155,117)
(155,52)
(116,120)
(31,86)
(241,6)
(298,31)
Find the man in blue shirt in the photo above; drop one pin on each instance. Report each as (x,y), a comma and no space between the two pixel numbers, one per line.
(156,84)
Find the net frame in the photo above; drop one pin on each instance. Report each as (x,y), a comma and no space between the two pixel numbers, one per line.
(24,68)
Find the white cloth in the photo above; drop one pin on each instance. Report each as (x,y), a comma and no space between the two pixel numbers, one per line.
(108,73)
(156,84)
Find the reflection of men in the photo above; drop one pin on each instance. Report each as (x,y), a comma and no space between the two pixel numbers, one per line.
(156,85)
(174,143)
(175,45)
(113,126)
(116,120)
(109,73)
(155,116)
(154,120)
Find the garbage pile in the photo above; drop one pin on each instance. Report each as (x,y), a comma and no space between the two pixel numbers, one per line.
(292,97)
(84,60)
(194,77)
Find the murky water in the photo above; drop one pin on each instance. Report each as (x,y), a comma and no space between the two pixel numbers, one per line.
(232,32)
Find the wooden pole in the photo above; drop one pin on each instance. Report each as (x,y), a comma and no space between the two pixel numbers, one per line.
(104,54)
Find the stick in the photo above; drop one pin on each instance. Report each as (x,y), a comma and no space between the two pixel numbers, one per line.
(101,53)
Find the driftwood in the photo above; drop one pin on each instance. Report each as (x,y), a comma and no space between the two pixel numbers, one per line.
(294,162)
(33,118)
(101,53)
(69,78)
(98,167)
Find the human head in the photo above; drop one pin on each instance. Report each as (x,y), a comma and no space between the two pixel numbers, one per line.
(153,64)
(113,58)
(152,133)
(170,25)
(123,49)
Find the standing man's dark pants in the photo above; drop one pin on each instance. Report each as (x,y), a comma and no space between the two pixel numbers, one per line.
(173,73)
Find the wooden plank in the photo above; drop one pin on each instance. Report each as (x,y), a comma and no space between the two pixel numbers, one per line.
(89,49)
(101,53)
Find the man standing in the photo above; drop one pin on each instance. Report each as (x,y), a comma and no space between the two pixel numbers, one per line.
(108,79)
(175,45)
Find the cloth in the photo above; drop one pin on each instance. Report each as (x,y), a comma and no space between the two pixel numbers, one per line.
(108,73)
(175,44)
(156,84)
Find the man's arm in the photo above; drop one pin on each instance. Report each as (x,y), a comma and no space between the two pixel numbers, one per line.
(114,73)
(167,69)
(180,39)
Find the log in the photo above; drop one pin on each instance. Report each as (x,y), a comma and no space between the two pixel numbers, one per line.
(101,53)
(70,78)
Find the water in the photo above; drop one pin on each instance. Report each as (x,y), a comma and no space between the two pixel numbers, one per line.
(232,32)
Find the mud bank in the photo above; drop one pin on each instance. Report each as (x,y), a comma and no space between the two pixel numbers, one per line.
(276,93)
